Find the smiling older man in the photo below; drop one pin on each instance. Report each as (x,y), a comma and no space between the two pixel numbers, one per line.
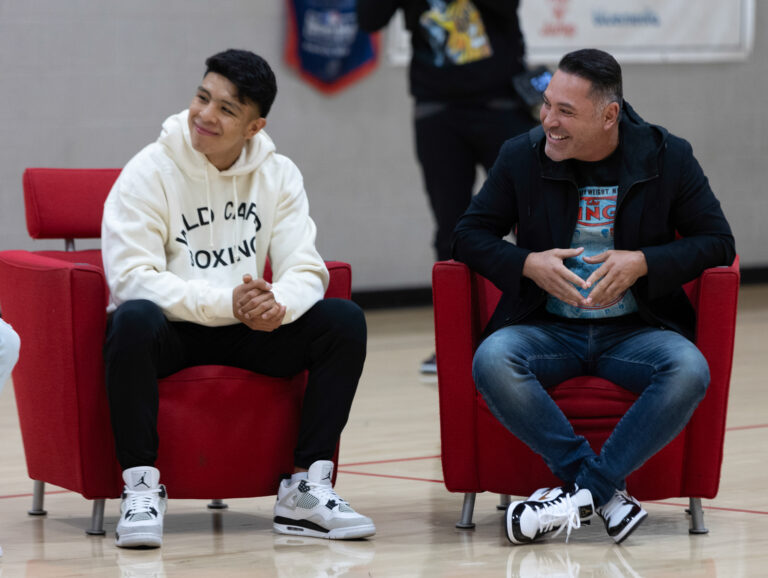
(612,215)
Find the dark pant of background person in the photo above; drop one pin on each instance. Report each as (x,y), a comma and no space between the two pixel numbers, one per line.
(451,141)
(141,346)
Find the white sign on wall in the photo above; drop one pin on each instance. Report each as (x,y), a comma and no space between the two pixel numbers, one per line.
(639,30)
(631,30)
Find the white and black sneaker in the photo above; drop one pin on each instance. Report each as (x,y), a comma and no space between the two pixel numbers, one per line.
(622,514)
(142,509)
(312,508)
(544,494)
(560,508)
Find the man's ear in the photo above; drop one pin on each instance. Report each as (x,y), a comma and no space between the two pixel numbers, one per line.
(255,126)
(611,115)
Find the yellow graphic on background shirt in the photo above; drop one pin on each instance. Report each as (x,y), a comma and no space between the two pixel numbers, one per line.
(456,32)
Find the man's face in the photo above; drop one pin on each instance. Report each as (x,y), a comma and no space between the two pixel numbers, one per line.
(575,125)
(219,124)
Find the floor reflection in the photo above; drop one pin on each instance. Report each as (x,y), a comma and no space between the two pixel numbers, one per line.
(297,557)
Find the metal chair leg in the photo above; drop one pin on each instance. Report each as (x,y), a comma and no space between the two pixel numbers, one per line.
(697,517)
(504,502)
(465,523)
(217,505)
(38,496)
(97,519)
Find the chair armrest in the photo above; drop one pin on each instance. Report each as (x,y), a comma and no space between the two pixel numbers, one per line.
(716,306)
(58,309)
(715,301)
(340,283)
(452,296)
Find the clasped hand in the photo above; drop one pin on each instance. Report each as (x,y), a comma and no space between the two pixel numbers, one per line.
(618,272)
(253,303)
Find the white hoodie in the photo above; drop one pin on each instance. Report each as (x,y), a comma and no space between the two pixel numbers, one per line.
(181,233)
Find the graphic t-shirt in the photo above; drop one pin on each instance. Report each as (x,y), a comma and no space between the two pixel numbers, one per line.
(464,52)
(456,32)
(598,190)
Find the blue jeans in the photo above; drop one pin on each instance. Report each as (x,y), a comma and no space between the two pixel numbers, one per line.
(514,367)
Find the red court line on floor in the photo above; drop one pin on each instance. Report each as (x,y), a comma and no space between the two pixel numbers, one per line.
(759,512)
(389,461)
(719,508)
(434,457)
(414,479)
(30,494)
(741,427)
(389,476)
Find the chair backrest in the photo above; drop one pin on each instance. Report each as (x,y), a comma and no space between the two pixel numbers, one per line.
(66,203)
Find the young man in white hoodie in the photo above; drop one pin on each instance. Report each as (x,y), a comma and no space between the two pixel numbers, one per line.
(186,232)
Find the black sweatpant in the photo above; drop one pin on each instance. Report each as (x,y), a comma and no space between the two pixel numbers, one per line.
(451,142)
(141,346)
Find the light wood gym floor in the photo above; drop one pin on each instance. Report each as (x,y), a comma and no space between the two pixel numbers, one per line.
(390,470)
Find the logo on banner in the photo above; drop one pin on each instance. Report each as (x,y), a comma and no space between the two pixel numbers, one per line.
(325,44)
(558,24)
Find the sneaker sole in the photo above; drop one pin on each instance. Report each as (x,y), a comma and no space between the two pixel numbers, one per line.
(138,540)
(629,528)
(350,533)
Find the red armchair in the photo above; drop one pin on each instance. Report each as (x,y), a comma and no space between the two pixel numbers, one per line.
(56,301)
(479,454)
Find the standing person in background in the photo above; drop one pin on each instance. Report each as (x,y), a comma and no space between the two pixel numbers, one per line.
(465,54)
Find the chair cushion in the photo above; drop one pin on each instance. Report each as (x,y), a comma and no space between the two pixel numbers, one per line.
(255,419)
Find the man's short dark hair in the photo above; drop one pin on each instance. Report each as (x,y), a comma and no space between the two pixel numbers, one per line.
(250,74)
(600,68)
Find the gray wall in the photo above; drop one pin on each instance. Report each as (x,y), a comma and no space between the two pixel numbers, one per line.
(86,83)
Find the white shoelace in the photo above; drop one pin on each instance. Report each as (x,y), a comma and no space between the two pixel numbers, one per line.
(325,492)
(142,501)
(563,513)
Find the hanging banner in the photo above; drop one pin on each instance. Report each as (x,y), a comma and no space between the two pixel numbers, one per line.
(325,45)
(639,31)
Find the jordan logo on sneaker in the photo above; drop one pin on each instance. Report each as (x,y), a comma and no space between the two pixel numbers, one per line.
(328,477)
(142,481)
